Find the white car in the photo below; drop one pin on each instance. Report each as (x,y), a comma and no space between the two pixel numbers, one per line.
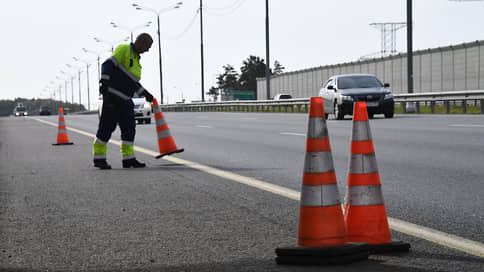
(142,109)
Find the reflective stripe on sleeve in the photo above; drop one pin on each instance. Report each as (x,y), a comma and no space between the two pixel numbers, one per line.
(107,77)
(317,128)
(319,195)
(363,164)
(365,195)
(318,162)
(140,90)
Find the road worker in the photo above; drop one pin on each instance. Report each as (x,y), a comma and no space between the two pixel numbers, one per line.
(119,81)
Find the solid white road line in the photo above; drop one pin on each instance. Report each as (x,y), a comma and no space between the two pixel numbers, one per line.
(466,125)
(203,126)
(432,235)
(293,134)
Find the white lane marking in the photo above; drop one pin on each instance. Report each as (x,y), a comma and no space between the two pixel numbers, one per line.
(466,125)
(449,240)
(293,134)
(203,126)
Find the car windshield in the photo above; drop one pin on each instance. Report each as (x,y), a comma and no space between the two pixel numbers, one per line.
(285,96)
(356,82)
(20,109)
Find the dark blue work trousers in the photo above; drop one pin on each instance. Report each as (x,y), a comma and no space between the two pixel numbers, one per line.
(116,111)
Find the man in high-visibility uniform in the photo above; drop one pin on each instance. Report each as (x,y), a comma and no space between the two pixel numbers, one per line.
(119,80)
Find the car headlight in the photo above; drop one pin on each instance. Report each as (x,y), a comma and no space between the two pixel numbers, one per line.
(346,98)
(17,114)
(26,113)
(388,96)
(147,105)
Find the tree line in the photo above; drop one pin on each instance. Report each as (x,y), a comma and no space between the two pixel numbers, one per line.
(252,68)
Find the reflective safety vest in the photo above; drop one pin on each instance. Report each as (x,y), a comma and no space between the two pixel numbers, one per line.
(123,71)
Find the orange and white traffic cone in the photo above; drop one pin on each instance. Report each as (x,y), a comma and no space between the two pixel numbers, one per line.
(166,143)
(321,231)
(62,138)
(365,215)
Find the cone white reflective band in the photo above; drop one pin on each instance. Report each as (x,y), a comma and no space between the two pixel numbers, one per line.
(140,90)
(101,142)
(363,164)
(163,133)
(105,77)
(160,122)
(101,156)
(127,157)
(122,68)
(365,195)
(157,109)
(361,131)
(118,93)
(318,162)
(61,131)
(317,128)
(62,123)
(61,115)
(319,195)
(127,143)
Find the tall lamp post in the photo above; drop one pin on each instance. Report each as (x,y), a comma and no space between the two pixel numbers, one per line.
(131,30)
(71,77)
(65,82)
(98,55)
(79,78)
(111,44)
(175,6)
(87,77)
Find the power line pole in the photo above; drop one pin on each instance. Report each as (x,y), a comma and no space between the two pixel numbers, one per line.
(388,37)
(201,52)
(409,47)
(268,69)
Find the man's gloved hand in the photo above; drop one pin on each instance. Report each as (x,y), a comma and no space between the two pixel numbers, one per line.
(103,86)
(147,96)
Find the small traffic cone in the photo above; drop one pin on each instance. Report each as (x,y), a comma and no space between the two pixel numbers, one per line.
(321,231)
(365,215)
(166,143)
(62,138)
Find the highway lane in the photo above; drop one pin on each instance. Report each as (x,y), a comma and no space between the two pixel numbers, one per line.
(60,214)
(430,166)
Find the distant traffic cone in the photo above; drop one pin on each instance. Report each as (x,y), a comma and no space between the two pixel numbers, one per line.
(62,138)
(166,143)
(321,231)
(365,215)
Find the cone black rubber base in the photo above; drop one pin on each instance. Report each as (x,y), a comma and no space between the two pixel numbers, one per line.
(394,246)
(64,144)
(169,153)
(347,253)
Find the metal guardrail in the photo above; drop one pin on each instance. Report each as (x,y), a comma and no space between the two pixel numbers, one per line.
(446,99)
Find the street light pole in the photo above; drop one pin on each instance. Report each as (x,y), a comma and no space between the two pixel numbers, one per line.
(111,44)
(268,69)
(138,7)
(201,53)
(79,78)
(131,30)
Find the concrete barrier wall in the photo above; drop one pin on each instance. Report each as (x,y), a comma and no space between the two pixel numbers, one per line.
(459,67)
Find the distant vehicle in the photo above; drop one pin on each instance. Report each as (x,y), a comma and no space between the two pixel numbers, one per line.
(282,96)
(44,110)
(142,109)
(20,111)
(341,91)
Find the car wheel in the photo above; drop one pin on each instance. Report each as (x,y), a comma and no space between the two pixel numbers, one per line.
(389,114)
(148,121)
(338,112)
(326,116)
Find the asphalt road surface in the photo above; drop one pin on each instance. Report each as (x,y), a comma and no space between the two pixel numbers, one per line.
(59,213)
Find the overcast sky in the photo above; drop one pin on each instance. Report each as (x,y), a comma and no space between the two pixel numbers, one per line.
(40,37)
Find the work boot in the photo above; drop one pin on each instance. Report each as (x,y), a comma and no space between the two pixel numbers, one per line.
(133,163)
(101,164)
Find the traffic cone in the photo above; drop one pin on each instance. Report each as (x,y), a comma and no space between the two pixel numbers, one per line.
(321,231)
(365,215)
(62,138)
(166,143)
